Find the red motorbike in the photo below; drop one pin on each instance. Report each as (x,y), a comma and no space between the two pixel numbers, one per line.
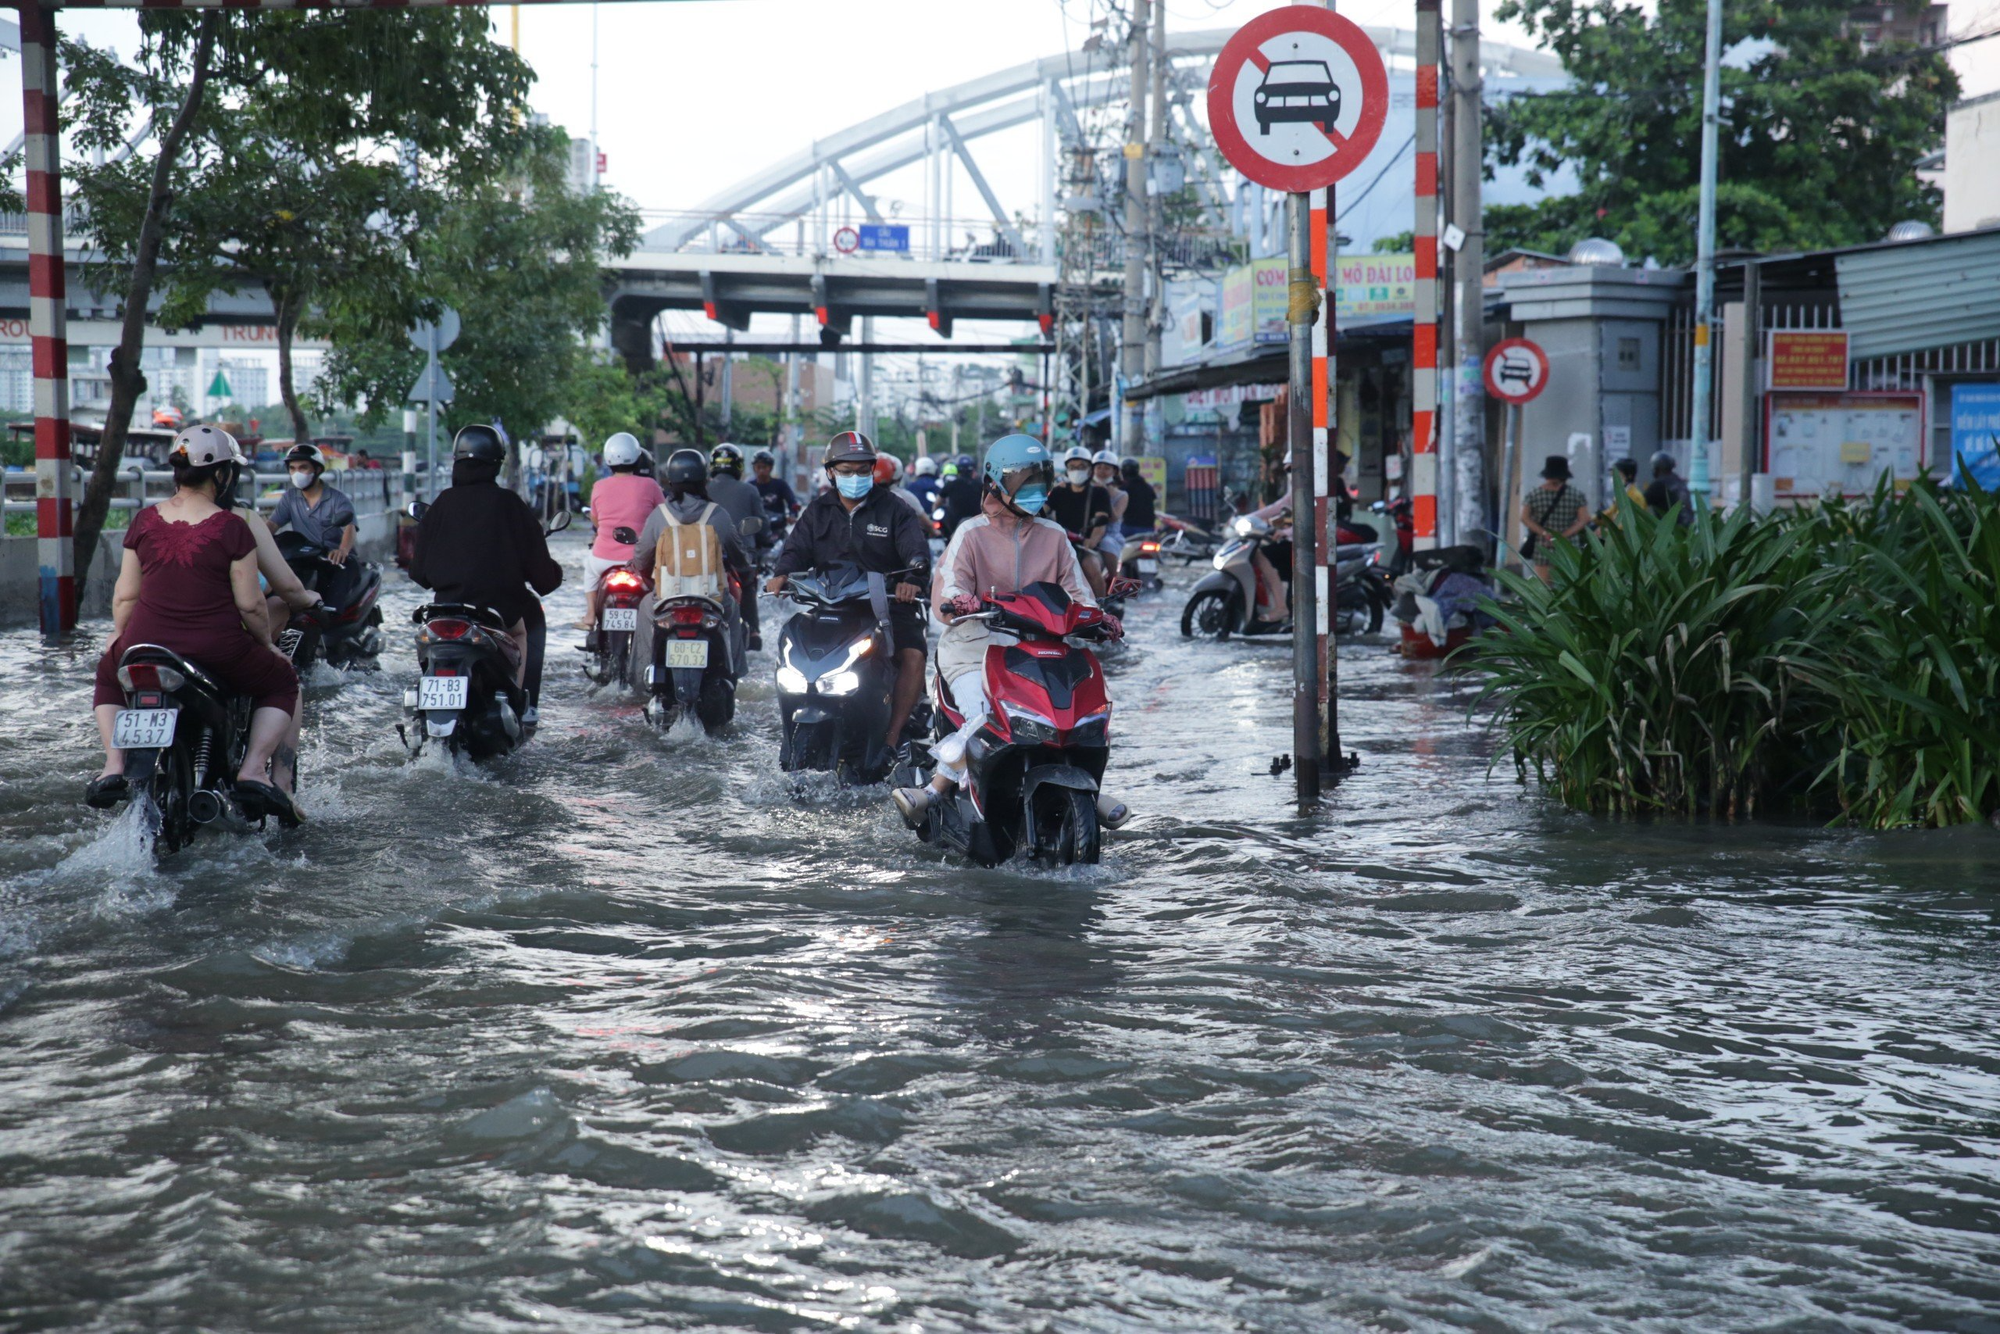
(609,643)
(1034,766)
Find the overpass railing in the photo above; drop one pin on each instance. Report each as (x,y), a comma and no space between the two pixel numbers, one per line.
(373,490)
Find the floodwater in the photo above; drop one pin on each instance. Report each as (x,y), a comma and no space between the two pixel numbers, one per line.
(623,1034)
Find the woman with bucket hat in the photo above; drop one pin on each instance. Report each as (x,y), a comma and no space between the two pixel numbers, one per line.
(1555,512)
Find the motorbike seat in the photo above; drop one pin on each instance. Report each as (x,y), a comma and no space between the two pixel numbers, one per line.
(464,611)
(161,656)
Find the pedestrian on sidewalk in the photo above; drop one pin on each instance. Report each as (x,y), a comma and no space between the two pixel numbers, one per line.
(1668,489)
(1555,512)
(1631,496)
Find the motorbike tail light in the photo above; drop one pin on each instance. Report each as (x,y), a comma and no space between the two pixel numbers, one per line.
(1149,548)
(623,581)
(446,628)
(148,701)
(685,615)
(444,671)
(150,676)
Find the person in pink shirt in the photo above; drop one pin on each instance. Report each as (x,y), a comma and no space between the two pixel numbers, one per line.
(622,500)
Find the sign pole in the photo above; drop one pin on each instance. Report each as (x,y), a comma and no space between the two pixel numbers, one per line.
(1303,299)
(48,329)
(432,447)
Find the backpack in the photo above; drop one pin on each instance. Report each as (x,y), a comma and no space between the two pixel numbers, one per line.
(687,563)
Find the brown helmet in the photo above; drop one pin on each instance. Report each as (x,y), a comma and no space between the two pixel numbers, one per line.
(848,447)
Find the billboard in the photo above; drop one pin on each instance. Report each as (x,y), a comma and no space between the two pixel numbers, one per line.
(1375,287)
(1253,305)
(1975,434)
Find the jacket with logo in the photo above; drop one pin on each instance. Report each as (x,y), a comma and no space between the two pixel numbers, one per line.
(882,534)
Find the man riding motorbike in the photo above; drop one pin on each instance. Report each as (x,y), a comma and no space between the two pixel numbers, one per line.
(860,523)
(1141,502)
(1082,507)
(1003,550)
(688,500)
(781,503)
(727,488)
(480,543)
(621,500)
(924,483)
(321,514)
(958,498)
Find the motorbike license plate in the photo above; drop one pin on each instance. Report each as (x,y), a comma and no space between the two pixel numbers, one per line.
(687,653)
(442,692)
(143,729)
(621,618)
(1148,566)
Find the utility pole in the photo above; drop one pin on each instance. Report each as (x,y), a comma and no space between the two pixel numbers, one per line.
(1156,204)
(1704,278)
(867,396)
(1468,420)
(792,432)
(1132,353)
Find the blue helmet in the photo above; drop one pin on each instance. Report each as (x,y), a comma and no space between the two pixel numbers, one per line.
(1012,453)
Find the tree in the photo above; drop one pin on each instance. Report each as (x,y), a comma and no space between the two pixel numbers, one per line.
(280,140)
(1819,140)
(519,256)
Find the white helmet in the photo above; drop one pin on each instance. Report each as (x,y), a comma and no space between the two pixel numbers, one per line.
(1105,456)
(621,450)
(203,446)
(926,466)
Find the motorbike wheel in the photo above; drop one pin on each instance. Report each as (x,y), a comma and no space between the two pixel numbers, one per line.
(1078,841)
(1206,615)
(167,795)
(1377,606)
(716,706)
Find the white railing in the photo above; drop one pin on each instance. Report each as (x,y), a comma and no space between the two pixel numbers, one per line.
(373,490)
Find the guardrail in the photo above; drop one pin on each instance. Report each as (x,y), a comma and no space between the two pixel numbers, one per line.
(373,490)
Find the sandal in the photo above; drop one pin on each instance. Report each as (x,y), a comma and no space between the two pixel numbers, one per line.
(107,790)
(260,799)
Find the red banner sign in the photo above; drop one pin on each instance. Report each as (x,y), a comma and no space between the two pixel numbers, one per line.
(1799,359)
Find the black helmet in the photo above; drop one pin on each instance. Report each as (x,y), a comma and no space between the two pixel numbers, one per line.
(849,447)
(726,458)
(764,456)
(1663,462)
(966,463)
(482,443)
(685,467)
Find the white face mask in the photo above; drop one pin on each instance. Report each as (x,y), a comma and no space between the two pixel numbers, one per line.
(302,478)
(1078,476)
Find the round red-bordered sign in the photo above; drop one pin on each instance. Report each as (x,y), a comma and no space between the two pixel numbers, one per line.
(847,240)
(1516,371)
(1297,98)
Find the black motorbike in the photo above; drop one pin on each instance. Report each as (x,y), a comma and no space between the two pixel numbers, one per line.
(608,645)
(836,671)
(184,737)
(348,633)
(466,696)
(693,669)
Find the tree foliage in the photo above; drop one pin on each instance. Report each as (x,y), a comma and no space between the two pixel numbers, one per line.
(1819,140)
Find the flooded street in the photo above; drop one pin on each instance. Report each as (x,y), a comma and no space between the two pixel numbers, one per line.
(623,1034)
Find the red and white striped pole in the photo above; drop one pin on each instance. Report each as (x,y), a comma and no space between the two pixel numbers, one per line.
(1423,479)
(47,322)
(1325,252)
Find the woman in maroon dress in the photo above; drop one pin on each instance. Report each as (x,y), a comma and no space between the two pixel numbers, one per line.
(189,583)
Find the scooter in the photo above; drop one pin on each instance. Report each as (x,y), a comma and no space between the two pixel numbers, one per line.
(349,635)
(608,645)
(184,737)
(836,671)
(1403,516)
(1232,600)
(1034,767)
(1140,561)
(466,696)
(693,669)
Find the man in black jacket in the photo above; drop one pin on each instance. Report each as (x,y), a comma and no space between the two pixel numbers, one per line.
(857,523)
(479,543)
(959,497)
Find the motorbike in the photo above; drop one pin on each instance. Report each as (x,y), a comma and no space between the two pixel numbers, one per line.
(1232,601)
(349,633)
(1184,541)
(693,667)
(1034,767)
(1402,515)
(1140,561)
(608,645)
(836,670)
(184,737)
(466,695)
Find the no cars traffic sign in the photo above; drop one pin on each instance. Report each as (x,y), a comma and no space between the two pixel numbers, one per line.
(1516,371)
(1297,98)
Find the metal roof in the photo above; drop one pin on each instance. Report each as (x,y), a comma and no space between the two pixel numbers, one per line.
(1920,294)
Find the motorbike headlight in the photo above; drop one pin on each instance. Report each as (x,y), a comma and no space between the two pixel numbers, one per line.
(1029,728)
(791,681)
(844,682)
(1090,731)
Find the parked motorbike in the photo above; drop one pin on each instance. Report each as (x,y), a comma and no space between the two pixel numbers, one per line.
(184,737)
(1232,601)
(1184,541)
(1034,767)
(693,668)
(1402,514)
(836,670)
(349,634)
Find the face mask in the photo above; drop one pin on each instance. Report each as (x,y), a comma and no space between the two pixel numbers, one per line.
(1078,476)
(1030,498)
(302,479)
(853,488)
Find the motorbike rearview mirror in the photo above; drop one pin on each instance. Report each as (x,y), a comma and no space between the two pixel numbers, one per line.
(559,522)
(416,509)
(750,527)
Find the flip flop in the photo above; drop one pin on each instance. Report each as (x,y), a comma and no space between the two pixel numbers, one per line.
(258,799)
(107,790)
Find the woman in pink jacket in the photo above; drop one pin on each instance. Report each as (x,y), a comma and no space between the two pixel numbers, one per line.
(1002,550)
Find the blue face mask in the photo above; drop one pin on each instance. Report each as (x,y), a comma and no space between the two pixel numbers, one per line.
(1030,498)
(854,487)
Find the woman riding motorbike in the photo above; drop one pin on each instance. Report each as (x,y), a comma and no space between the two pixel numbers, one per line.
(188,582)
(622,500)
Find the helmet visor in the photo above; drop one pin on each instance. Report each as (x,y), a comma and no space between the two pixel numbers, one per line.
(1014,479)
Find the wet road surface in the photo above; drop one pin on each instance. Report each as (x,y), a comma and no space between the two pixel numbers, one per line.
(623,1034)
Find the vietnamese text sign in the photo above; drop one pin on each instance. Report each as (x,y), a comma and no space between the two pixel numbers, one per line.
(1376,286)
(1806,359)
(1842,444)
(1253,305)
(1975,434)
(884,236)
